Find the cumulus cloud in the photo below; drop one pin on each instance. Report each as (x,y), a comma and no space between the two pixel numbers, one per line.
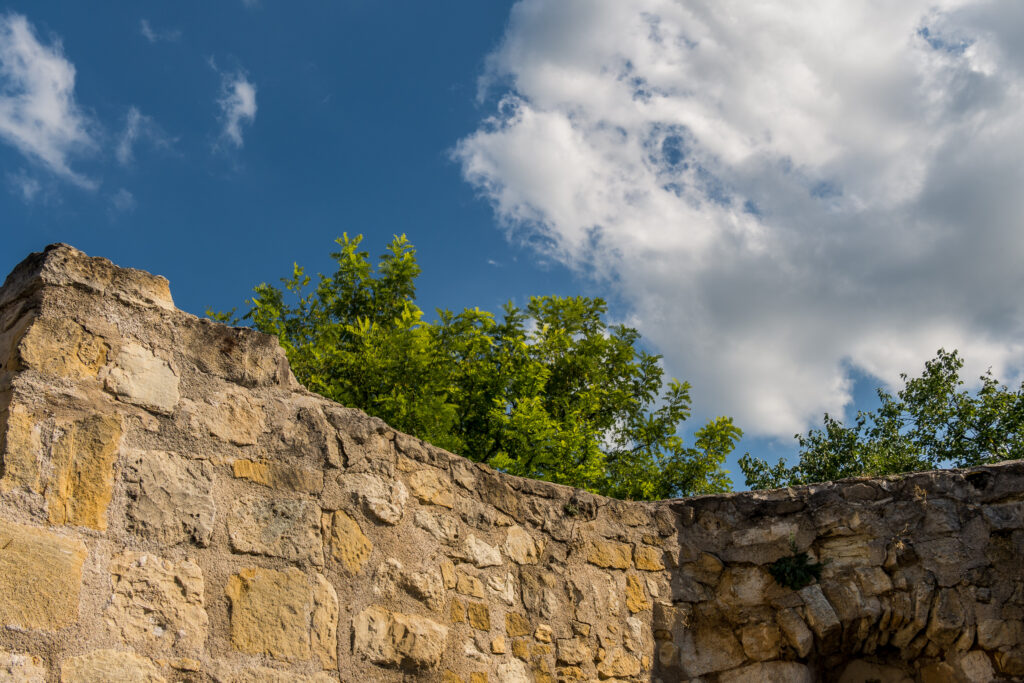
(139,128)
(782,191)
(238,105)
(38,113)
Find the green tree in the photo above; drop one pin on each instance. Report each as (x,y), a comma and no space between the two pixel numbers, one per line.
(550,391)
(931,422)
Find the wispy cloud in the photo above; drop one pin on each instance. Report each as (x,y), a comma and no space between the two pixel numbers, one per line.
(139,128)
(122,201)
(38,112)
(237,103)
(24,185)
(158,36)
(782,190)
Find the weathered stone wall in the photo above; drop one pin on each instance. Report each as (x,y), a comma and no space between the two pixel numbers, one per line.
(175,507)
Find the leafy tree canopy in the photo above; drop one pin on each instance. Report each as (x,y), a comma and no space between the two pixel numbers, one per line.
(550,391)
(932,422)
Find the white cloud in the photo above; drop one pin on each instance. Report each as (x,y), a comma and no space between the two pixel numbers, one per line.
(781,190)
(156,36)
(238,105)
(122,201)
(139,127)
(38,113)
(23,185)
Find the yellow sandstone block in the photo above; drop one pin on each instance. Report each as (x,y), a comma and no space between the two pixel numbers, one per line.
(40,577)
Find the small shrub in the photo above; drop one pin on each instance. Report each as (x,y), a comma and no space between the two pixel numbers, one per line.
(795,571)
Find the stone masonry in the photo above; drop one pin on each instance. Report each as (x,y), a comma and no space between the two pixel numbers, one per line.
(175,507)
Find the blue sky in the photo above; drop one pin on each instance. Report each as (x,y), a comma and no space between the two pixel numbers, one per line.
(793,202)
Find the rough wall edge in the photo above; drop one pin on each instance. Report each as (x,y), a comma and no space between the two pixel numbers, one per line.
(62,265)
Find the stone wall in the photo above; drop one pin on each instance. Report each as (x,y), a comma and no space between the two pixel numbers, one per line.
(175,507)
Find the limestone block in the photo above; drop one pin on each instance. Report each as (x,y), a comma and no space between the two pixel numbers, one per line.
(708,649)
(83,472)
(479,616)
(846,600)
(521,547)
(425,586)
(58,346)
(872,580)
(480,553)
(157,602)
(637,635)
(1005,516)
(263,674)
(517,625)
(398,640)
(609,554)
(431,488)
(270,613)
(286,528)
(841,552)
(231,416)
(363,438)
(746,586)
(998,633)
(324,633)
(573,651)
(1010,663)
(141,378)
(382,499)
(469,585)
(821,616)
(21,668)
(503,587)
(448,574)
(457,610)
(774,532)
(769,672)
(21,436)
(948,558)
(543,592)
(441,527)
(40,577)
(511,670)
(618,664)
(947,618)
(63,266)
(796,631)
(974,667)
(279,475)
(636,597)
(239,355)
(761,641)
(648,558)
(348,545)
(109,666)
(170,498)
(597,597)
